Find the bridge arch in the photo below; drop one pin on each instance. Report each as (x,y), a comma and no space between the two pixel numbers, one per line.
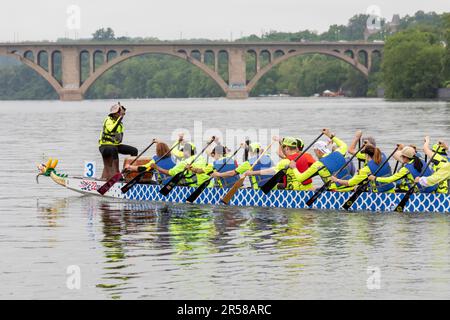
(33,65)
(108,65)
(354,63)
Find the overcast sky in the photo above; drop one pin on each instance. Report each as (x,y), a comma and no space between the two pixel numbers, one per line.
(169,19)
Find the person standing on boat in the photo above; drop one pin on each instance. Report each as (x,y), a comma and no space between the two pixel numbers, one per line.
(289,150)
(440,159)
(111,141)
(254,150)
(374,158)
(328,162)
(412,169)
(191,177)
(165,161)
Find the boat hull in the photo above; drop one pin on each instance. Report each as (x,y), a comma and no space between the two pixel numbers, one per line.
(376,202)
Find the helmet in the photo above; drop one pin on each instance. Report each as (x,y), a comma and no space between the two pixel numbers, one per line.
(255,147)
(289,142)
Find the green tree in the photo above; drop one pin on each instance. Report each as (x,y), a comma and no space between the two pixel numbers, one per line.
(103,34)
(446,63)
(412,65)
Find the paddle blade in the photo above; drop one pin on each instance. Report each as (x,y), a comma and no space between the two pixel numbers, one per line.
(104,188)
(226,199)
(317,194)
(347,205)
(132,183)
(172,183)
(401,206)
(269,185)
(194,195)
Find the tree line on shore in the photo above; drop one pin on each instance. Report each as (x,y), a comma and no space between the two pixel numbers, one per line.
(416,61)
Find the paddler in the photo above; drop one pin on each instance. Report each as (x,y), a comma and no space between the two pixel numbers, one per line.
(289,150)
(165,161)
(439,161)
(436,178)
(191,178)
(254,150)
(111,141)
(352,149)
(374,158)
(413,166)
(329,162)
(219,154)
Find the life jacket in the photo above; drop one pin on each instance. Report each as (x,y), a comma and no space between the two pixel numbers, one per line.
(226,182)
(302,165)
(195,179)
(443,186)
(415,174)
(166,163)
(334,162)
(264,163)
(114,137)
(384,172)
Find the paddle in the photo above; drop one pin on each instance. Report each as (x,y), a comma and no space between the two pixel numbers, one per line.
(396,166)
(362,186)
(401,206)
(226,199)
(328,183)
(272,182)
(359,160)
(116,178)
(194,195)
(165,190)
(138,178)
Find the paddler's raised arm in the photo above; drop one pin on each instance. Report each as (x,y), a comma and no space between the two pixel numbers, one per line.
(177,153)
(430,151)
(352,148)
(342,146)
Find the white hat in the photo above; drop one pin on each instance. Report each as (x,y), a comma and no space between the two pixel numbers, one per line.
(114,109)
(322,146)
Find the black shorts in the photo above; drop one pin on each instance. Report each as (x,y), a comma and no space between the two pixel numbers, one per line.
(109,151)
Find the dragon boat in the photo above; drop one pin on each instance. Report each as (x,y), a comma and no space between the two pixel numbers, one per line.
(245,197)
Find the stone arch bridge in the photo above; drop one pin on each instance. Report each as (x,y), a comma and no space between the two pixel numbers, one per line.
(71,86)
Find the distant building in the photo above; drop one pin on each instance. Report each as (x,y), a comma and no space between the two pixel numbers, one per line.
(394,25)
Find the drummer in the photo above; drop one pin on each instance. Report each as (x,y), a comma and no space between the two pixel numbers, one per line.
(111,141)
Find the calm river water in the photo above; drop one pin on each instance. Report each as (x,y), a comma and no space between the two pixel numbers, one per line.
(130,250)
